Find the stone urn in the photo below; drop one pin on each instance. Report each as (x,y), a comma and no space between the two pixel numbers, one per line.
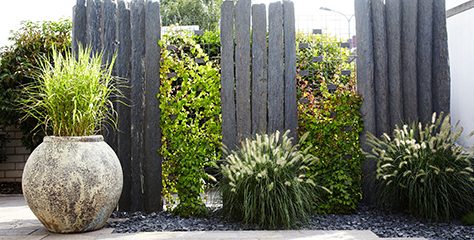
(72,184)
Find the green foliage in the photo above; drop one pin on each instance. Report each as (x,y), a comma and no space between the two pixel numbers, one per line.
(210,42)
(468,219)
(71,97)
(265,183)
(190,120)
(18,65)
(328,110)
(423,170)
(205,13)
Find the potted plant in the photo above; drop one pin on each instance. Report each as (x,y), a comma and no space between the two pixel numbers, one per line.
(73,180)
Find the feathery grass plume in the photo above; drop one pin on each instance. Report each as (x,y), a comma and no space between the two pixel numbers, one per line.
(421,168)
(72,95)
(265,182)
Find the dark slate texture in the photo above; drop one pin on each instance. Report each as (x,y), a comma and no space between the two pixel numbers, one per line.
(108,39)
(123,70)
(441,77)
(365,86)
(291,113)
(259,69)
(425,59)
(393,19)
(409,52)
(79,25)
(242,69)
(152,135)
(276,81)
(380,68)
(229,130)
(137,19)
(93,37)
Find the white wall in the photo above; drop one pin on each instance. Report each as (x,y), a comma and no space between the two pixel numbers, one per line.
(461,56)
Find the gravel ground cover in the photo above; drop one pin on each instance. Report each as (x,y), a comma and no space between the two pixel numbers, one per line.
(383,224)
(10,188)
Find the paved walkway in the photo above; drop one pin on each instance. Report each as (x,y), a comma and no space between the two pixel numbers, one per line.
(18,222)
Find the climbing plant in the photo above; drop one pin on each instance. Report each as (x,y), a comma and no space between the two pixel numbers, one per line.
(329,110)
(190,120)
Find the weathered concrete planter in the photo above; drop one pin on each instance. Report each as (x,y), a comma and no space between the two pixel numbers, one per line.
(72,184)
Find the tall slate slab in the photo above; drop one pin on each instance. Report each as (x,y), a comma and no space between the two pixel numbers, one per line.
(380,68)
(123,70)
(393,20)
(259,69)
(93,36)
(365,86)
(291,113)
(137,19)
(440,72)
(276,82)
(409,57)
(242,69)
(79,25)
(424,59)
(109,28)
(152,134)
(108,39)
(229,130)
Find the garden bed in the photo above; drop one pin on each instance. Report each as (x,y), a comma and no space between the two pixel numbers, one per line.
(10,188)
(383,224)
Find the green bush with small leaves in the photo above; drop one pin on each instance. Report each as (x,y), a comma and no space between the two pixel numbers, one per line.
(210,42)
(190,121)
(20,62)
(420,168)
(265,184)
(329,110)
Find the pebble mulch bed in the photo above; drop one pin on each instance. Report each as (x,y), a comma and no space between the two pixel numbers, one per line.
(10,188)
(383,224)
(391,225)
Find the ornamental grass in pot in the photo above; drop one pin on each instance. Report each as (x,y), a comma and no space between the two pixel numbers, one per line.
(73,180)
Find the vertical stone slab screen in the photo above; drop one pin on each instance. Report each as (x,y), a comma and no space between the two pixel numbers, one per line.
(402,65)
(130,30)
(258,75)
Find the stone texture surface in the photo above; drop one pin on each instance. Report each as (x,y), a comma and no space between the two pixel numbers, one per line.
(72,184)
(229,130)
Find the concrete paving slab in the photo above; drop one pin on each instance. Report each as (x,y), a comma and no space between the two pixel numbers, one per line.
(18,222)
(225,235)
(402,238)
(28,237)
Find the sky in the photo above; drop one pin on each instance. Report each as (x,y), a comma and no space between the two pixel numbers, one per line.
(308,14)
(12,13)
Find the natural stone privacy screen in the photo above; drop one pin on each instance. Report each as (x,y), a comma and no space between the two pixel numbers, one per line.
(258,76)
(131,30)
(402,65)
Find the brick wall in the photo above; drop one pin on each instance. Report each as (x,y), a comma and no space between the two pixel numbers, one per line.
(17,154)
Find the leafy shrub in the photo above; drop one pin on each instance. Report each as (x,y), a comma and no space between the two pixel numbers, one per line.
(329,110)
(33,42)
(265,183)
(190,120)
(70,97)
(205,14)
(421,169)
(210,42)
